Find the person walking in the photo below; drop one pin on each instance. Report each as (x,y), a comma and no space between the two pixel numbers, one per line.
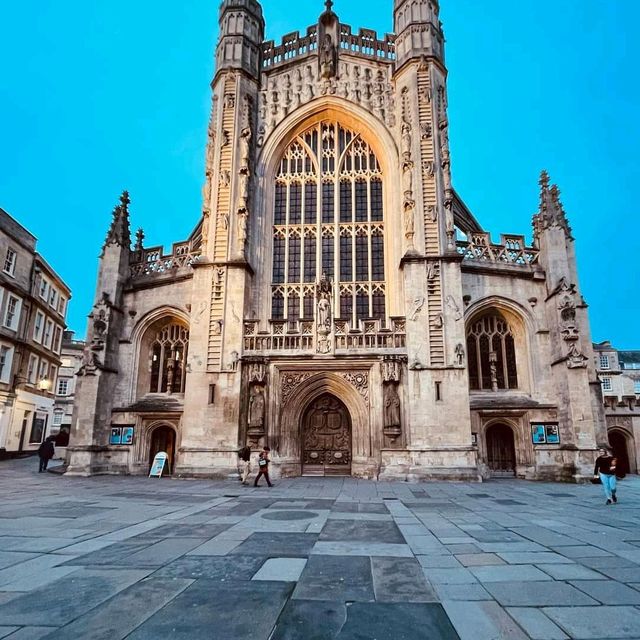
(45,453)
(605,469)
(263,466)
(245,458)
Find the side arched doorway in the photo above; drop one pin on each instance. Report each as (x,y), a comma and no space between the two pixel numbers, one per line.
(163,439)
(501,451)
(326,438)
(620,445)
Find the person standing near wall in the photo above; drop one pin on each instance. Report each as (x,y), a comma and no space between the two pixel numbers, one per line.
(605,469)
(245,459)
(263,467)
(45,453)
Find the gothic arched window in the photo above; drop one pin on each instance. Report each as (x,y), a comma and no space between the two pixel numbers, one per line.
(328,219)
(491,353)
(167,355)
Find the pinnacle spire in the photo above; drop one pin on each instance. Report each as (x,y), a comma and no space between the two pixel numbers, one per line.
(119,232)
(551,214)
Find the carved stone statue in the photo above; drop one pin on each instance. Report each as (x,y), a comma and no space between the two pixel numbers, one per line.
(324,313)
(242,229)
(406,141)
(391,407)
(327,58)
(245,148)
(243,197)
(256,408)
(460,354)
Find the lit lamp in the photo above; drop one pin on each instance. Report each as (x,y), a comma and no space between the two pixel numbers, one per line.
(44,384)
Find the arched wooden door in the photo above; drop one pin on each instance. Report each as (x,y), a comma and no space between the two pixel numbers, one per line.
(501,451)
(618,442)
(163,439)
(326,438)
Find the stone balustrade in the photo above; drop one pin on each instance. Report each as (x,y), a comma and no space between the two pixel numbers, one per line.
(512,250)
(283,335)
(364,43)
(152,262)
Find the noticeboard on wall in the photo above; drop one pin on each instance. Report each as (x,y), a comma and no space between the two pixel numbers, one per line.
(545,433)
(121,435)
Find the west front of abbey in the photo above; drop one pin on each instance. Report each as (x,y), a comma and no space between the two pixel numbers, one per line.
(337,301)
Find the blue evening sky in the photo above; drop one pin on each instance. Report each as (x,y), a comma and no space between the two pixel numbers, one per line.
(100,96)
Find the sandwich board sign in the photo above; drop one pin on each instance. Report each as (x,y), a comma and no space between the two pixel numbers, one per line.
(158,465)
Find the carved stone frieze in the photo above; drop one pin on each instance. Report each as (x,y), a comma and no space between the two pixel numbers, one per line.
(289,382)
(359,380)
(364,84)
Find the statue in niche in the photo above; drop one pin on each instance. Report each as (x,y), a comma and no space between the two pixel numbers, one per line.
(242,229)
(256,408)
(327,58)
(406,141)
(225,138)
(243,198)
(391,407)
(324,312)
(307,84)
(245,148)
(409,219)
(407,179)
(460,355)
(355,93)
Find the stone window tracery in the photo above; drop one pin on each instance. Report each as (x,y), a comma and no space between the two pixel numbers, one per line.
(492,354)
(168,353)
(328,218)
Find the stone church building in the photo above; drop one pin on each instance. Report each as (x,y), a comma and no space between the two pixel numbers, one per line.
(337,301)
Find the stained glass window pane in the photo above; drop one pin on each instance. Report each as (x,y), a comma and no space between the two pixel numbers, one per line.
(310,260)
(362,258)
(280,211)
(295,203)
(294,260)
(310,203)
(278,259)
(377,258)
(277,307)
(328,249)
(376,200)
(362,306)
(361,201)
(346,306)
(328,202)
(346,259)
(345,201)
(293,308)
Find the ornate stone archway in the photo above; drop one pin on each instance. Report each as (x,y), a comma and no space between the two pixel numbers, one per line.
(298,390)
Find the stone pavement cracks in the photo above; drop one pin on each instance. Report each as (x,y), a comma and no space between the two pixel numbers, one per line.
(109,558)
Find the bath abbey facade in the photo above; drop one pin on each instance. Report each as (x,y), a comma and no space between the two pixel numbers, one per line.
(336,300)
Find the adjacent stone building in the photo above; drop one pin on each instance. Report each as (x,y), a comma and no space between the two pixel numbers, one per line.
(71,357)
(337,300)
(33,307)
(619,373)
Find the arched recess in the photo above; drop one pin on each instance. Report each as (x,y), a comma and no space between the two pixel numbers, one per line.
(287,435)
(159,436)
(378,137)
(493,430)
(521,328)
(623,444)
(143,337)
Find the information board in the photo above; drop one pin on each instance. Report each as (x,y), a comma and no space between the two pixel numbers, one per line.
(158,465)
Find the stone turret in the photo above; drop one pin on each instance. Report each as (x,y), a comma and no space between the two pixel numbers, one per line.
(418,30)
(570,334)
(241,34)
(99,373)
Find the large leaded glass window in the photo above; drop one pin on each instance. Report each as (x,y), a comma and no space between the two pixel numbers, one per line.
(492,354)
(328,218)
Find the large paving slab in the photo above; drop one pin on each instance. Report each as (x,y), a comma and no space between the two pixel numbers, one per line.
(314,558)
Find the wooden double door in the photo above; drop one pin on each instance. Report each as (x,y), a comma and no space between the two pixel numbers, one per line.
(163,439)
(326,438)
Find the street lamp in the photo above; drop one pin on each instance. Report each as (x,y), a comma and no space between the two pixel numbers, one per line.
(44,384)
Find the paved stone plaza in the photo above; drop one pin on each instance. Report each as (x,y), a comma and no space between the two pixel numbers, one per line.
(108,558)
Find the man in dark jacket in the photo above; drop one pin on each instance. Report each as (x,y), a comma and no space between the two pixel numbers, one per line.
(605,469)
(245,458)
(45,453)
